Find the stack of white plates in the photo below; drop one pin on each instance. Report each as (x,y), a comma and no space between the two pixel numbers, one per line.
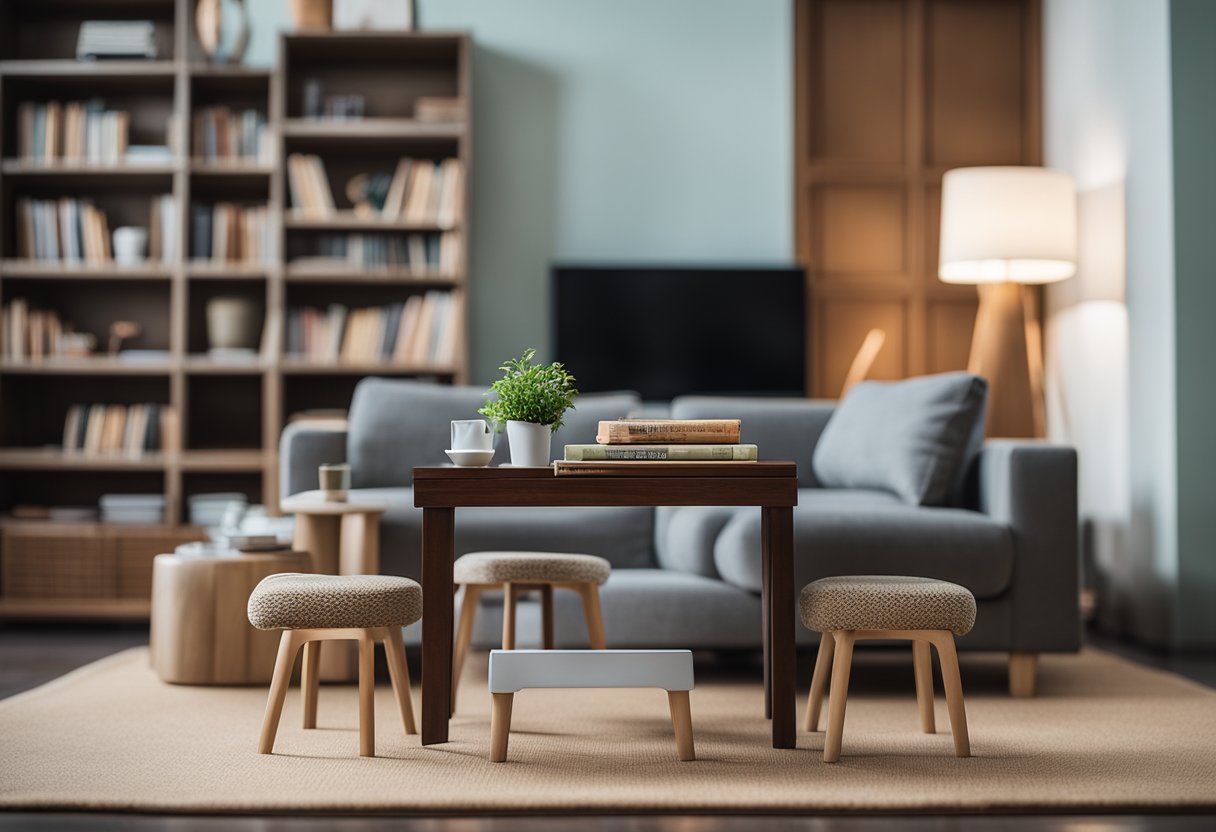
(133,508)
(116,39)
(207,510)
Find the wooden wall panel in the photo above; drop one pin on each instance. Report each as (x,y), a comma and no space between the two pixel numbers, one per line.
(889,94)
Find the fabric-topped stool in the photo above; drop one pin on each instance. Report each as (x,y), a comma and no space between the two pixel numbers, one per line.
(925,611)
(518,572)
(310,609)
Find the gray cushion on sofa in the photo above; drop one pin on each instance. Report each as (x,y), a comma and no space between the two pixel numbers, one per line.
(397,425)
(874,533)
(913,438)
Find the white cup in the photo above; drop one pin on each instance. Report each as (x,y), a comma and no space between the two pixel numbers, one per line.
(471,435)
(130,245)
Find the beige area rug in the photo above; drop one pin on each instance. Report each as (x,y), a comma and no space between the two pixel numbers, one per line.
(1103,734)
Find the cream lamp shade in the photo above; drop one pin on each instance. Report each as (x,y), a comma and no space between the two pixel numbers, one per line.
(1007,225)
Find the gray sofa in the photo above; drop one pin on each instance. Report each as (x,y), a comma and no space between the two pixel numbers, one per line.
(690,576)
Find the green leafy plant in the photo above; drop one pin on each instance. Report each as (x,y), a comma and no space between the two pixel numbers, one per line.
(530,392)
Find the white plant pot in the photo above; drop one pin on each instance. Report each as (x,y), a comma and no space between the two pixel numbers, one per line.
(529,443)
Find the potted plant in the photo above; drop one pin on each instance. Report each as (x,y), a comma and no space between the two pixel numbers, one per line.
(531,399)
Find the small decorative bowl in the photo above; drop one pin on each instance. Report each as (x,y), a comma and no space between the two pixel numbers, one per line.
(470,459)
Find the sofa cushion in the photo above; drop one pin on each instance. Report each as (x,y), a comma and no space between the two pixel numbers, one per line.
(684,537)
(397,425)
(914,438)
(875,533)
(622,535)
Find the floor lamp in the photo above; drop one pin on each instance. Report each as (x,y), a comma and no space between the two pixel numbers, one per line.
(1008,230)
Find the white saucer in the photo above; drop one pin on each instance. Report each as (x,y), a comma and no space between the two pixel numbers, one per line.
(471,459)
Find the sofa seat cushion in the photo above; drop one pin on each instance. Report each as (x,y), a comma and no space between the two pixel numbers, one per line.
(621,535)
(875,533)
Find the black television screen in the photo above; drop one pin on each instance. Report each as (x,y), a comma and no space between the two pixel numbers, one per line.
(672,331)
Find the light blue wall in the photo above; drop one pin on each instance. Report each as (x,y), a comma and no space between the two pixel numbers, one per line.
(623,130)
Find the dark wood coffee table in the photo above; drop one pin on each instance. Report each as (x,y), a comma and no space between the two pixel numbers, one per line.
(773,486)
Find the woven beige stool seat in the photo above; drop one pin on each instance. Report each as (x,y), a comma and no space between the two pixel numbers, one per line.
(924,611)
(310,609)
(518,572)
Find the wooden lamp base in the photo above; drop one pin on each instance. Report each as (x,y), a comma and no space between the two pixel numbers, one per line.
(1007,349)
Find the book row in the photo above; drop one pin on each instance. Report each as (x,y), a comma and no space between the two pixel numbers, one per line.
(223,135)
(226,233)
(433,253)
(37,333)
(130,430)
(77,231)
(79,131)
(422,332)
(420,192)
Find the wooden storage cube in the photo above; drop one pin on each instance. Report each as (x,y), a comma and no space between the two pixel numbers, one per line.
(48,560)
(92,307)
(225,411)
(24,426)
(201,292)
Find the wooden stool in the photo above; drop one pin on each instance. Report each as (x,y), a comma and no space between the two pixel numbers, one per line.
(518,572)
(925,611)
(514,670)
(310,609)
(200,632)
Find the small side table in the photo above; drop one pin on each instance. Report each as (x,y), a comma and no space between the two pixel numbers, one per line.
(200,630)
(343,539)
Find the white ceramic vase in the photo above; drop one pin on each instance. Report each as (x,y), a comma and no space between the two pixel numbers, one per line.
(529,443)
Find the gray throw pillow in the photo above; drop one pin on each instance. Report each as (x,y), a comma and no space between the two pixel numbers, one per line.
(914,438)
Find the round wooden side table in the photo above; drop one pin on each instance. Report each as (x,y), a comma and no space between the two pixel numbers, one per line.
(201,633)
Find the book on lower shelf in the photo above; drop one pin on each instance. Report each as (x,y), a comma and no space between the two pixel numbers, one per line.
(129,430)
(423,254)
(230,233)
(421,192)
(423,331)
(707,453)
(35,334)
(223,136)
(669,432)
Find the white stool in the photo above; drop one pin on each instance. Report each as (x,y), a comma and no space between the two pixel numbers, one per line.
(514,670)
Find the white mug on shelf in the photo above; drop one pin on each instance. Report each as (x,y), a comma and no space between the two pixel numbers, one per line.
(471,435)
(130,245)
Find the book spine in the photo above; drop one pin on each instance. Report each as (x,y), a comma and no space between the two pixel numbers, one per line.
(668,433)
(705,453)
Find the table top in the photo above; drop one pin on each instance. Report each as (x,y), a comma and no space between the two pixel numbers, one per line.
(701,470)
(312,502)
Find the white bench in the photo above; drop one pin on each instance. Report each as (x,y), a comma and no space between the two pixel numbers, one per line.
(514,670)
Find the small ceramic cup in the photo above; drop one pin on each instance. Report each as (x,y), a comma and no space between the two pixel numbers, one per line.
(335,481)
(471,435)
(130,245)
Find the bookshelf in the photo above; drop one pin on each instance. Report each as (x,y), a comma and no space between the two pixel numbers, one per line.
(230,412)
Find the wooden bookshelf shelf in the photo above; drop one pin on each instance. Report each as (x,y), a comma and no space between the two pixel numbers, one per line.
(350,221)
(376,129)
(234,460)
(310,367)
(70,69)
(210,270)
(54,459)
(203,365)
(31,169)
(369,276)
(86,366)
(39,270)
(231,169)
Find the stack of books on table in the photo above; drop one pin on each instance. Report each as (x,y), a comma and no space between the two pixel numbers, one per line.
(659,442)
(133,508)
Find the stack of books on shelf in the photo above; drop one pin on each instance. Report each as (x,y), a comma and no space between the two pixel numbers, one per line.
(79,131)
(633,443)
(36,334)
(223,136)
(422,192)
(434,108)
(118,429)
(116,39)
(226,232)
(422,332)
(133,508)
(423,254)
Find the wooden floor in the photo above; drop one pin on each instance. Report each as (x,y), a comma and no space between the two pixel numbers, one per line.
(32,654)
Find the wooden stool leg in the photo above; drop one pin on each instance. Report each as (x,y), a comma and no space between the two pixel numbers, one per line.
(922,669)
(289,645)
(367,695)
(819,681)
(464,634)
(399,673)
(500,726)
(953,683)
(509,599)
(546,616)
(842,663)
(1022,671)
(681,721)
(590,594)
(310,681)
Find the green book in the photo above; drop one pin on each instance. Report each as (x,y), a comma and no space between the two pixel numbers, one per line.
(687,453)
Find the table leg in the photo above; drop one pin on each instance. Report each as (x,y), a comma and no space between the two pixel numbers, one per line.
(438,547)
(766,618)
(318,535)
(779,553)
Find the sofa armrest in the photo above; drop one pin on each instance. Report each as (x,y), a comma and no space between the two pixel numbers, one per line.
(1031,487)
(303,446)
